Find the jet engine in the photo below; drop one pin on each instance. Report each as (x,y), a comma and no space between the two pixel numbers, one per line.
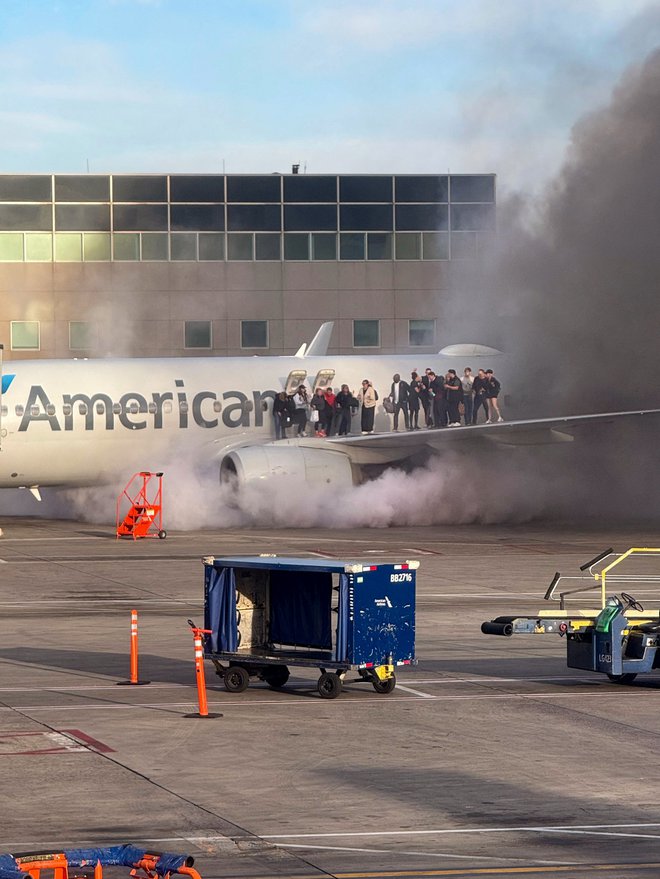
(257,464)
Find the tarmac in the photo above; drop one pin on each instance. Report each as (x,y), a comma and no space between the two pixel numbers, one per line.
(490,757)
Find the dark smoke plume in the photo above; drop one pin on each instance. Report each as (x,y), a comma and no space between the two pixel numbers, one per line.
(573,291)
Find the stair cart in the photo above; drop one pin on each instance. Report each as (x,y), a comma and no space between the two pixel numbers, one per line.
(267,614)
(140,507)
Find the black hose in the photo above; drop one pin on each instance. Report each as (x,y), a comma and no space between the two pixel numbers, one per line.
(495,628)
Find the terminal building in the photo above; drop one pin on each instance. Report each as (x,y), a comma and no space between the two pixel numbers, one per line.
(214,264)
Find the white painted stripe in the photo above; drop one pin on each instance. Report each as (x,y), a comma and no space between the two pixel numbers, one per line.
(450,855)
(457,830)
(414,692)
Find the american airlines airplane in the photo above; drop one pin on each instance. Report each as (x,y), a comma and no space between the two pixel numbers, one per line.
(73,423)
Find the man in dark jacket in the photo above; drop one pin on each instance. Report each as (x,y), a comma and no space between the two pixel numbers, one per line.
(437,389)
(479,388)
(283,410)
(454,396)
(344,402)
(399,393)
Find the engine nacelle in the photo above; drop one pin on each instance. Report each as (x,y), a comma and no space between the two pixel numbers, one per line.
(252,464)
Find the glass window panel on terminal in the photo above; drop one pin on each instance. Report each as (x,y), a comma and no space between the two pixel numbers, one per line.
(324,246)
(80,335)
(472,187)
(351,246)
(197,334)
(26,218)
(197,187)
(473,217)
(68,247)
(254,334)
(296,245)
(24,187)
(435,245)
(463,245)
(240,247)
(25,335)
(421,187)
(211,246)
(155,247)
(312,188)
(11,247)
(408,245)
(38,247)
(310,217)
(82,217)
(183,246)
(379,245)
(139,217)
(367,188)
(139,187)
(82,187)
(366,333)
(267,246)
(254,188)
(365,217)
(126,246)
(421,332)
(421,217)
(200,217)
(96,246)
(254,218)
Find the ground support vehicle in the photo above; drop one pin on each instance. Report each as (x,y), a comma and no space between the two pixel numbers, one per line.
(618,638)
(82,863)
(267,614)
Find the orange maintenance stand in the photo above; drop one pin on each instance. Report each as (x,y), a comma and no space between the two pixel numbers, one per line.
(140,507)
(85,863)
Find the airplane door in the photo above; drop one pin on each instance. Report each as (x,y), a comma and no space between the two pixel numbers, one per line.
(323,379)
(294,379)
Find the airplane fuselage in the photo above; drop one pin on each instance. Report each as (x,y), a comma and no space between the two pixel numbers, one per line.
(87,421)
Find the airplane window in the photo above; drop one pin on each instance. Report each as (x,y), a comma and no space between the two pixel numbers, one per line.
(67,409)
(217,406)
(34,411)
(152,408)
(116,408)
(134,409)
(183,407)
(50,409)
(82,408)
(100,408)
(19,411)
(3,410)
(167,407)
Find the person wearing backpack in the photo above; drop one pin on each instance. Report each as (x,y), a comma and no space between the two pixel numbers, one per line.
(367,397)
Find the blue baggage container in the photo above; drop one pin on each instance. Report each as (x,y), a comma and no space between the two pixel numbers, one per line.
(266,614)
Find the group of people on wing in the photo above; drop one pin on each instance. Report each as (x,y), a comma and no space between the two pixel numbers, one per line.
(444,400)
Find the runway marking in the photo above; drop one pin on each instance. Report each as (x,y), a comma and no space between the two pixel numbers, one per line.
(368,701)
(586,828)
(92,743)
(407,689)
(55,743)
(499,871)
(389,851)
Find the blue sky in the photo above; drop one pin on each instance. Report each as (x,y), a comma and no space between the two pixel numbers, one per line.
(361,86)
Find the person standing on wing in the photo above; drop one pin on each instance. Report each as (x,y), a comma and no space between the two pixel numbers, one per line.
(479,386)
(493,388)
(368,398)
(454,395)
(399,393)
(467,381)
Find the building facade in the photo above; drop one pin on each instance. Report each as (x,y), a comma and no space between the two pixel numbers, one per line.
(194,264)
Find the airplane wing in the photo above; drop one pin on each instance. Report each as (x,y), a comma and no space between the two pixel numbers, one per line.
(383,448)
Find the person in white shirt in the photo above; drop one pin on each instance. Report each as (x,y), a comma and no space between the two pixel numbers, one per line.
(467,380)
(301,402)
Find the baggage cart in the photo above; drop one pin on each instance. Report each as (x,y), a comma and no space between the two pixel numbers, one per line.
(267,614)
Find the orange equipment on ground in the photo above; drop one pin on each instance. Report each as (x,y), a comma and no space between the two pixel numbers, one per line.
(87,862)
(140,507)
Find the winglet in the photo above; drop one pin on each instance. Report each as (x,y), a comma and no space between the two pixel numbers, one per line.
(318,347)
(301,351)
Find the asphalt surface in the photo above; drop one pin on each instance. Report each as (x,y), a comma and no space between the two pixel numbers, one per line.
(489,758)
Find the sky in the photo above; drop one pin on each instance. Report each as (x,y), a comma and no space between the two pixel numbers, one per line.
(254,86)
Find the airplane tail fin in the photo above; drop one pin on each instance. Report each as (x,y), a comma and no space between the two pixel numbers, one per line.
(318,347)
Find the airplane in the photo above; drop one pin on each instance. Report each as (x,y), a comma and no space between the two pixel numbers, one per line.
(71,423)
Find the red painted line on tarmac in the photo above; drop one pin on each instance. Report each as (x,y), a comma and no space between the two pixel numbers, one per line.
(88,740)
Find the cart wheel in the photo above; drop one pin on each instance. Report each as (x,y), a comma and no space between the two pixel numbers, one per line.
(162,534)
(329,685)
(385,686)
(276,676)
(236,679)
(623,679)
